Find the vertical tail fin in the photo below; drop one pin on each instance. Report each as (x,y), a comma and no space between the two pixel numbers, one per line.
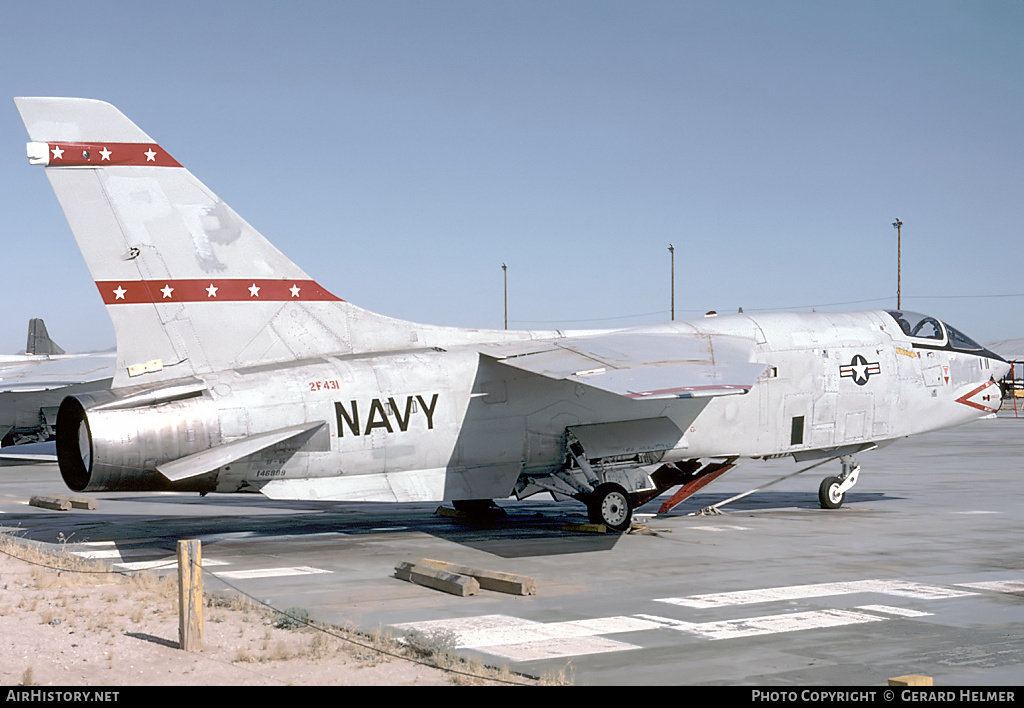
(190,286)
(39,341)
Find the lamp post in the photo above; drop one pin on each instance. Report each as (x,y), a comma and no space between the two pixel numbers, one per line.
(899,261)
(672,250)
(504,269)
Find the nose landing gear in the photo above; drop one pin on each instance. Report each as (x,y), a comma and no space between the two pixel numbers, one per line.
(832,491)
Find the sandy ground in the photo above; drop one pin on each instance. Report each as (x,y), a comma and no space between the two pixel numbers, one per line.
(105,629)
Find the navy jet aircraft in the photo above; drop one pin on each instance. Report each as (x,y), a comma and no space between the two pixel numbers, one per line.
(236,372)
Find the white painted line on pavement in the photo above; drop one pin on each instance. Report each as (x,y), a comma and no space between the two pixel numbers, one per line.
(525,640)
(268,572)
(898,588)
(897,611)
(997,585)
(769,624)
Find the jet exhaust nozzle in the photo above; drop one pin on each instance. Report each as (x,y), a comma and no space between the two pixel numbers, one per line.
(103,449)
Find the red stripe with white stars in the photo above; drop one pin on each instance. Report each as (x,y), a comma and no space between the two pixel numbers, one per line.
(134,292)
(103,154)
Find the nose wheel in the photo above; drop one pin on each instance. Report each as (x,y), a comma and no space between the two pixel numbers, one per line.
(829,494)
(610,505)
(832,491)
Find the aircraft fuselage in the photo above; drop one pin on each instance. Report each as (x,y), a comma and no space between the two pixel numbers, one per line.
(446,423)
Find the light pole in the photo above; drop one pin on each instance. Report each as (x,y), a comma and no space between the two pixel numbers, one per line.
(899,261)
(504,269)
(672,250)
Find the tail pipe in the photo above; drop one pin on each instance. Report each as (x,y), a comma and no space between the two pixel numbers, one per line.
(104,444)
(74,444)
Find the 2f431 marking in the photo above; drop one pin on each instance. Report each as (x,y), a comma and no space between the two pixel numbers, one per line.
(324,385)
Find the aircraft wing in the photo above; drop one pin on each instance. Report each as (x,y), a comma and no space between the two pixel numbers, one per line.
(29,454)
(28,373)
(640,365)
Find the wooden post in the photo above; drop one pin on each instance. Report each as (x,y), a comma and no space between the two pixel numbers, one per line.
(190,596)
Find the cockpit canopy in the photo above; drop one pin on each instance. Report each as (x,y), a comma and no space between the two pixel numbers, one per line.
(933,333)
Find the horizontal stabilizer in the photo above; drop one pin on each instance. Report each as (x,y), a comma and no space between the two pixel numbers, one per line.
(209,460)
(640,365)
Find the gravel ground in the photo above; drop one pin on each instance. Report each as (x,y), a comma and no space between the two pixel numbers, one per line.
(88,628)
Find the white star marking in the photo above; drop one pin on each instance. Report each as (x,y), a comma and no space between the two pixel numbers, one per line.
(254,290)
(295,290)
(167,290)
(119,293)
(211,291)
(58,153)
(860,372)
(150,155)
(104,154)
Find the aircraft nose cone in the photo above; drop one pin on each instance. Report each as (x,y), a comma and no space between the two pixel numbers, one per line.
(1000,368)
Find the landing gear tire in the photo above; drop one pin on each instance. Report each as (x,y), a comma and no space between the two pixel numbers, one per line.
(610,505)
(829,495)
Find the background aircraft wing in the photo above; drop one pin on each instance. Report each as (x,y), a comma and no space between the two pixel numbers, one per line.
(29,454)
(42,373)
(640,365)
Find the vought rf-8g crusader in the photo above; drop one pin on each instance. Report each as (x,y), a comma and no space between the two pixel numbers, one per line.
(236,372)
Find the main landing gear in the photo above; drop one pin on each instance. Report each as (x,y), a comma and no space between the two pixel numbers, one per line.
(832,491)
(610,504)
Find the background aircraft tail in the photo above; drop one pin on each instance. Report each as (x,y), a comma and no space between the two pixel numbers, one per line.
(190,286)
(39,341)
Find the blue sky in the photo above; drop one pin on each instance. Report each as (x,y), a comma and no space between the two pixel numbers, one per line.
(401,151)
